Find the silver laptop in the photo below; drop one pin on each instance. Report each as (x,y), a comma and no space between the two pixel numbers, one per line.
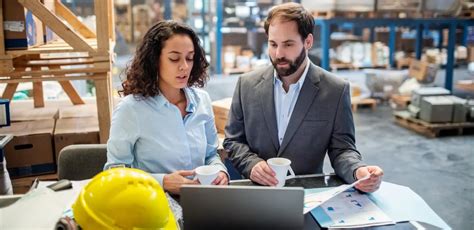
(242,207)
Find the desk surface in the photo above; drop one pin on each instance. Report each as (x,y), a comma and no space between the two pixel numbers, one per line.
(329,180)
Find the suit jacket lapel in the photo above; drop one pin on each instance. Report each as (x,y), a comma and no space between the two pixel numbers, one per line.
(265,91)
(308,92)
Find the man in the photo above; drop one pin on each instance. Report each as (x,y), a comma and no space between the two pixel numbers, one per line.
(294,110)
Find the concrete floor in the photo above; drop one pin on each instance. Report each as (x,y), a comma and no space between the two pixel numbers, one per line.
(440,170)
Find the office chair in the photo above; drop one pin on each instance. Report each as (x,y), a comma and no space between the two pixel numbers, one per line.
(80,162)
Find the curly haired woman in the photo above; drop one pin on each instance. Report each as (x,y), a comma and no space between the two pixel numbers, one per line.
(165,125)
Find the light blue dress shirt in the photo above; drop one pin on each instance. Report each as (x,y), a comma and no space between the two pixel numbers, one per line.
(150,134)
(285,101)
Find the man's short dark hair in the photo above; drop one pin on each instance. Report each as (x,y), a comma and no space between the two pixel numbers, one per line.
(292,12)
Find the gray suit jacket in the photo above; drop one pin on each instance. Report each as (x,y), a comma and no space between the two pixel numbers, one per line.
(321,122)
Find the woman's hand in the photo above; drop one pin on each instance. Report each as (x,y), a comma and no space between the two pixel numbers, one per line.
(221,179)
(172,182)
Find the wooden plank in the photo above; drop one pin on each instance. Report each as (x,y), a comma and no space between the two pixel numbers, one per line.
(11,87)
(355,102)
(102,26)
(63,62)
(104,111)
(58,72)
(50,78)
(57,26)
(2,36)
(9,91)
(6,64)
(70,90)
(59,47)
(72,19)
(111,13)
(38,97)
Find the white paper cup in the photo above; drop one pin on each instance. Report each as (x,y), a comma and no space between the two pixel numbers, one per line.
(281,166)
(206,174)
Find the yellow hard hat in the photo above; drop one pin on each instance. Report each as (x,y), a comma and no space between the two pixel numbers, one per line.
(123,198)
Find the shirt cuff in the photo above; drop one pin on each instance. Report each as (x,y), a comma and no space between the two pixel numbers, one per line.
(159,177)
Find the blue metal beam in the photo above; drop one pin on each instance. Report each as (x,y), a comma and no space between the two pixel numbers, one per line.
(465,32)
(391,44)
(325,45)
(441,38)
(419,40)
(448,84)
(219,15)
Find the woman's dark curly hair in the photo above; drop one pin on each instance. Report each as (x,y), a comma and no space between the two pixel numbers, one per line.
(143,72)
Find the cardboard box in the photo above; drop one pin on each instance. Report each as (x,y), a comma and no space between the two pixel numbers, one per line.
(30,152)
(424,72)
(21,28)
(27,113)
(230,56)
(70,131)
(23,185)
(86,110)
(221,110)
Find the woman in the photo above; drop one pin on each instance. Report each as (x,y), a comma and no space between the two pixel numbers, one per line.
(164,125)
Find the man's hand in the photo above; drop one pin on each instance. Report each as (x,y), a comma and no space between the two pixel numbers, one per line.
(263,174)
(172,182)
(221,179)
(373,182)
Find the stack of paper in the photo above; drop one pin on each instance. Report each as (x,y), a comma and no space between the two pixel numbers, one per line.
(344,207)
(350,209)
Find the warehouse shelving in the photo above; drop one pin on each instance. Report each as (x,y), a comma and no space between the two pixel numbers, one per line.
(325,26)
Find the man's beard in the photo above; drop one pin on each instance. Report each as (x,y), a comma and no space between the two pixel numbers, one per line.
(294,65)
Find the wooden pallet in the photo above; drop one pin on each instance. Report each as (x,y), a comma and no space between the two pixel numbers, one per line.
(400,101)
(356,102)
(432,130)
(79,54)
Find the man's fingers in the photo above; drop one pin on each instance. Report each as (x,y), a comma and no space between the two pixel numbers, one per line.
(269,177)
(267,169)
(261,179)
(186,173)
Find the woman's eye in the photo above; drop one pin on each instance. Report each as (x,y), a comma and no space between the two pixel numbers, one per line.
(190,59)
(174,60)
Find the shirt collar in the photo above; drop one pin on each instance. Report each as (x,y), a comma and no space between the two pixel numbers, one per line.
(190,98)
(300,81)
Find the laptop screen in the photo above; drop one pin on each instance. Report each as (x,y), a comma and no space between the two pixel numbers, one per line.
(242,207)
